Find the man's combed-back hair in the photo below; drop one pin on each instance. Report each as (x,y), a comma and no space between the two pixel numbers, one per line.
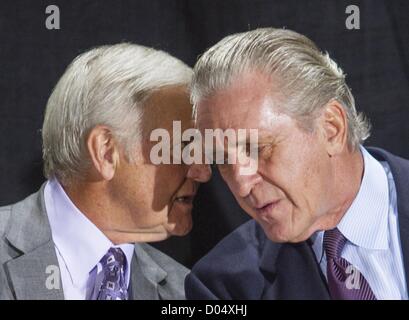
(306,78)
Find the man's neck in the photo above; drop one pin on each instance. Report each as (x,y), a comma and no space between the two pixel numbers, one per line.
(92,199)
(348,174)
(86,196)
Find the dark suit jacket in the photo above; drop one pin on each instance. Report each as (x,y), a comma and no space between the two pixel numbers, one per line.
(247,265)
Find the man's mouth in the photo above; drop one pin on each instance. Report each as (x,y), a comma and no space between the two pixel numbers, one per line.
(265,209)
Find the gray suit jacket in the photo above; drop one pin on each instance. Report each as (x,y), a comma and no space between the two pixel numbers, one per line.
(27,250)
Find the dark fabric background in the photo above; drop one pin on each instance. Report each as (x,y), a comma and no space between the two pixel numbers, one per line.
(32,58)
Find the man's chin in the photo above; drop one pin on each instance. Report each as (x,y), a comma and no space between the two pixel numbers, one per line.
(275,233)
(281,235)
(179,222)
(179,229)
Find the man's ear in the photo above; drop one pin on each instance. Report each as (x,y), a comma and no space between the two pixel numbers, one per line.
(103,151)
(334,124)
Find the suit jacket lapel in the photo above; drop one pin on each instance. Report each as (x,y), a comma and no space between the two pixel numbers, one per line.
(295,273)
(35,275)
(300,275)
(402,191)
(403,216)
(30,234)
(400,172)
(146,277)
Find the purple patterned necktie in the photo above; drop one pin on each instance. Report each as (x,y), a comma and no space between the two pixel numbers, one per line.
(340,271)
(113,285)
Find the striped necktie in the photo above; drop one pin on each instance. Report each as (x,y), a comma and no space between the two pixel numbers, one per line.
(344,281)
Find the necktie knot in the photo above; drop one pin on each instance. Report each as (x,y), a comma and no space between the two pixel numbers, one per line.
(114,255)
(334,242)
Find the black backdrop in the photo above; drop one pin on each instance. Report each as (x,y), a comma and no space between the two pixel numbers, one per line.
(32,58)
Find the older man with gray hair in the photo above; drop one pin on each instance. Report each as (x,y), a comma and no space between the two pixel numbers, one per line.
(75,238)
(330,217)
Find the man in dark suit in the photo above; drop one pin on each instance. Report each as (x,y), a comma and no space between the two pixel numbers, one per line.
(330,218)
(83,234)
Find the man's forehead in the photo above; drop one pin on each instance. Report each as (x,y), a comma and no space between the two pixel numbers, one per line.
(262,113)
(245,102)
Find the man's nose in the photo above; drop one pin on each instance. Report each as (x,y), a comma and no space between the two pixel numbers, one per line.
(199,172)
(242,183)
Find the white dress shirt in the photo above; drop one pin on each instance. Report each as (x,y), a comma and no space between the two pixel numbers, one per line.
(79,244)
(371,228)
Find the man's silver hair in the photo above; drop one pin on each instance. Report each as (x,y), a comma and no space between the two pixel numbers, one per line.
(306,78)
(108,86)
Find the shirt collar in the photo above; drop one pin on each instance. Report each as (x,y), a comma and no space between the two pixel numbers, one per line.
(80,243)
(365,223)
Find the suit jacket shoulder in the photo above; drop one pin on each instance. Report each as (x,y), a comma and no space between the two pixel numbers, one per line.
(26,250)
(23,226)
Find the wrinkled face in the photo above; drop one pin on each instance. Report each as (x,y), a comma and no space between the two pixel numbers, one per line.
(290,190)
(158,199)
